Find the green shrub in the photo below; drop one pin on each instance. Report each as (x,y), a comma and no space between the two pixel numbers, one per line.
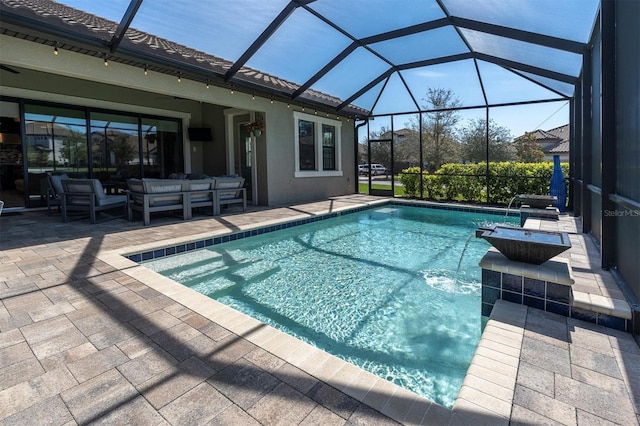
(410,179)
(468,182)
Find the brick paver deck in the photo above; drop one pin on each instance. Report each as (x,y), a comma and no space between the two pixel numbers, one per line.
(87,336)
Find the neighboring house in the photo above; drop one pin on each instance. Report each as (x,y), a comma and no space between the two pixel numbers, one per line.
(554,142)
(406,149)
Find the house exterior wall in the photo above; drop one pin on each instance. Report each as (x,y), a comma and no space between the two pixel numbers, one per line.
(281,152)
(82,80)
(564,158)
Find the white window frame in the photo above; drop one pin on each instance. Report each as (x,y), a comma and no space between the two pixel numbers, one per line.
(318,122)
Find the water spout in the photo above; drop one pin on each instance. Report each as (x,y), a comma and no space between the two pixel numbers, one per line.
(466,244)
(509,206)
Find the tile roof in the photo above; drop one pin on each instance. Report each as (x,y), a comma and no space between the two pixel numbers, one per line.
(559,136)
(561,132)
(562,147)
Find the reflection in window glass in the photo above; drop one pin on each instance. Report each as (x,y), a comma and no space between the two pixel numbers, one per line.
(328,147)
(161,148)
(307,145)
(56,141)
(114,146)
(122,146)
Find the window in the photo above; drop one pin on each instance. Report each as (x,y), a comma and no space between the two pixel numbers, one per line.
(114,146)
(306,145)
(118,146)
(317,146)
(328,147)
(56,139)
(161,147)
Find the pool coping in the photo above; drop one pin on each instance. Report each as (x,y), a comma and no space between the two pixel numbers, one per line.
(388,398)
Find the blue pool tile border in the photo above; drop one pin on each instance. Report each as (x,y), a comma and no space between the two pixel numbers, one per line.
(467,209)
(157,253)
(544,295)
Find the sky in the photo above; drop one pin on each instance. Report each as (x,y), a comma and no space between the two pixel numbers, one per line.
(303,44)
(518,119)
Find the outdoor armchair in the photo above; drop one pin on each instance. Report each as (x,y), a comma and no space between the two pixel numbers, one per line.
(87,195)
(229,190)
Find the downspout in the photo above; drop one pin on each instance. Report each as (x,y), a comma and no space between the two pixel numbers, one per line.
(356,127)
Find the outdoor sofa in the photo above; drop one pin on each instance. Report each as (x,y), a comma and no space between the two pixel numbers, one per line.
(183,195)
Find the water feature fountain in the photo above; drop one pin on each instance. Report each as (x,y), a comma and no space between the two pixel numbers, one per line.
(525,245)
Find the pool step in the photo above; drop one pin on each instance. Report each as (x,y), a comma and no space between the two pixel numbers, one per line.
(554,287)
(598,304)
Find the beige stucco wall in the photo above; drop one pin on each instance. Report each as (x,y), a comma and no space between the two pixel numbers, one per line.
(82,80)
(281,151)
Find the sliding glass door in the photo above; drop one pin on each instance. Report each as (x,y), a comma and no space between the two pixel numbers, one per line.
(11,160)
(114,146)
(56,142)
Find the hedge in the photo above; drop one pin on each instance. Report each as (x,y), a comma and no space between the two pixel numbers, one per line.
(468,182)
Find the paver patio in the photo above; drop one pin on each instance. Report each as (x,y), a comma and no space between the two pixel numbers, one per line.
(85,336)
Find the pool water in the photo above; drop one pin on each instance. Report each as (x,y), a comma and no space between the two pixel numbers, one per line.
(377,288)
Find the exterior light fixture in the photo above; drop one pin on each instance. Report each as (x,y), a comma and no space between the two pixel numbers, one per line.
(179,77)
(106,60)
(146,72)
(288,105)
(271,100)
(55,49)
(253,96)
(207,84)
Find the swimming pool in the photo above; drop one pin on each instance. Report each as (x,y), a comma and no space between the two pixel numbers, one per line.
(377,288)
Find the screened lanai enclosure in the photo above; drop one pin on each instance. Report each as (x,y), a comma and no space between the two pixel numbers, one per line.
(444,95)
(458,82)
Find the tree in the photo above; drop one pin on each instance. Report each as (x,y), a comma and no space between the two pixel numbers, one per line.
(380,151)
(74,148)
(38,156)
(438,127)
(473,142)
(528,150)
(406,147)
(125,149)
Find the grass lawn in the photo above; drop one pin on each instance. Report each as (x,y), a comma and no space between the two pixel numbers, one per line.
(363,188)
